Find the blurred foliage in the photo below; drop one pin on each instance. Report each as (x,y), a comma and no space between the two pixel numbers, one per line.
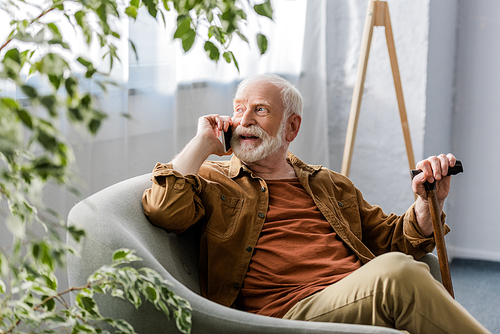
(50,84)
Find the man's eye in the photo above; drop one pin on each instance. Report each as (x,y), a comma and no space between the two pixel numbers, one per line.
(261,110)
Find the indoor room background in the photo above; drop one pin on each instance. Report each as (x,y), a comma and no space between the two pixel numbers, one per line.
(448,53)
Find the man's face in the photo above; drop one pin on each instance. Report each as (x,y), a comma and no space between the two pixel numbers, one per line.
(257,121)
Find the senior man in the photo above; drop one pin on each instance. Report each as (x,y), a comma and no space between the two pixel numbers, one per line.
(286,239)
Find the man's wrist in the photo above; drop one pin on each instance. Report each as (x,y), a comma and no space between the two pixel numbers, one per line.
(423,216)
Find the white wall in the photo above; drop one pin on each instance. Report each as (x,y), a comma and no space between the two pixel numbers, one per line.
(476,135)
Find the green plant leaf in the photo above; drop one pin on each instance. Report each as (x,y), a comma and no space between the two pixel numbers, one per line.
(50,103)
(4,265)
(3,287)
(84,62)
(124,255)
(82,328)
(81,20)
(76,233)
(264,9)
(183,25)
(25,117)
(118,293)
(96,121)
(163,307)
(86,303)
(51,282)
(210,16)
(14,55)
(89,65)
(52,64)
(152,7)
(50,304)
(218,33)
(75,114)
(243,37)
(262,43)
(151,294)
(188,40)
(47,139)
(235,62)
(124,327)
(9,103)
(57,41)
(134,49)
(165,5)
(71,85)
(212,51)
(30,91)
(54,29)
(55,80)
(131,11)
(183,320)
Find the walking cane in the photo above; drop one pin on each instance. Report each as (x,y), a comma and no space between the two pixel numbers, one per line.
(430,189)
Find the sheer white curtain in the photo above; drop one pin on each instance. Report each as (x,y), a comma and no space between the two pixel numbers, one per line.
(312,143)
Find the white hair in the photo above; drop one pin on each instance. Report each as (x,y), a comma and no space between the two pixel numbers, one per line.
(291,97)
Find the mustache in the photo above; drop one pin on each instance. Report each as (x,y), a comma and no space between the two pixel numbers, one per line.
(253,130)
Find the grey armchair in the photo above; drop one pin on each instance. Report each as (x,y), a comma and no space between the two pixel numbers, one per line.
(113,219)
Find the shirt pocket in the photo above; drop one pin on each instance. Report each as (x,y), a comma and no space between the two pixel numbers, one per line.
(350,212)
(223,213)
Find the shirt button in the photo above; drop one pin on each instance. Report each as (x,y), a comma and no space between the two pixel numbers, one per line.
(249,249)
(261,215)
(341,204)
(236,286)
(223,197)
(263,189)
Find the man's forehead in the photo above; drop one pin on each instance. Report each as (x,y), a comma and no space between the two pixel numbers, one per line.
(259,91)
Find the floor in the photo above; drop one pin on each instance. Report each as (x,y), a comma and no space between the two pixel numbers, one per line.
(477,287)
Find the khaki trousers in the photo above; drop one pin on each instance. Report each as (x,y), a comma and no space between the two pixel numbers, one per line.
(392,290)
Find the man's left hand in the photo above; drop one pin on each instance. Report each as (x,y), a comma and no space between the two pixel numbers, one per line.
(434,169)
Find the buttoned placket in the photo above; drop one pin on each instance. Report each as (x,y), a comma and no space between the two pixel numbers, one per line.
(262,207)
(263,203)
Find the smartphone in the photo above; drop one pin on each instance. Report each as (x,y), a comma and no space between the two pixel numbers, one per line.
(226,139)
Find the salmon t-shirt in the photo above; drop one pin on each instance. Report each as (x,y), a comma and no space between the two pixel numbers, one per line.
(297,253)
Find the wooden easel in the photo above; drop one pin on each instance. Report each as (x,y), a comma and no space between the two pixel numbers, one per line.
(376,15)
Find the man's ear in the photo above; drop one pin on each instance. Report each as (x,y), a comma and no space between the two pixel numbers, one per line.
(292,129)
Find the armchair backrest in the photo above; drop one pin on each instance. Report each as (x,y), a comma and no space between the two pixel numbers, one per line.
(113,218)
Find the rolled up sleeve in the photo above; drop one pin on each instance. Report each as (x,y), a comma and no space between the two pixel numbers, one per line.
(414,235)
(173,201)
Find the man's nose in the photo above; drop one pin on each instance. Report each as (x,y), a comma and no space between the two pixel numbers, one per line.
(248,118)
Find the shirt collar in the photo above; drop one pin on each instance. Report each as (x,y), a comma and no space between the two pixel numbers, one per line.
(236,166)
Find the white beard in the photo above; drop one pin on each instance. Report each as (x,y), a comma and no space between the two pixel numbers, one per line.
(249,152)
